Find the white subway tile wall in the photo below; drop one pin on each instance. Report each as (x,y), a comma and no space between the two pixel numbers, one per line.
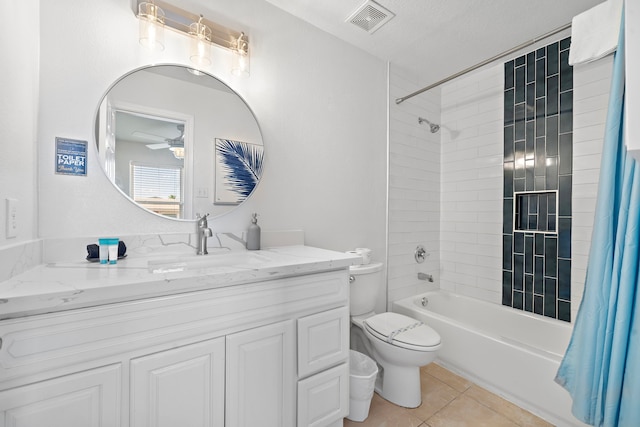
(445,189)
(471,218)
(471,186)
(414,188)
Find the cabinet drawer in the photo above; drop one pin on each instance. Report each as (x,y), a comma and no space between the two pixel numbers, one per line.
(88,398)
(323,398)
(323,340)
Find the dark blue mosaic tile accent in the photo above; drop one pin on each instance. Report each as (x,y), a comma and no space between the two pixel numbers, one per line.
(528,256)
(550,256)
(566,112)
(507,251)
(518,300)
(538,167)
(531,67)
(541,77)
(541,111)
(566,72)
(551,141)
(518,243)
(540,157)
(508,143)
(552,59)
(538,276)
(531,101)
(518,272)
(552,173)
(528,298)
(508,179)
(508,107)
(519,116)
(520,85)
(539,244)
(538,304)
(508,75)
(520,157)
(507,221)
(564,238)
(564,279)
(550,299)
(507,288)
(564,311)
(564,195)
(553,90)
(565,154)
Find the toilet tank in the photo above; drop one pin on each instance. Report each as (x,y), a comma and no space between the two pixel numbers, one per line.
(363,289)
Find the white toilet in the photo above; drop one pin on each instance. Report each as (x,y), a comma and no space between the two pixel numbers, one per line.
(399,344)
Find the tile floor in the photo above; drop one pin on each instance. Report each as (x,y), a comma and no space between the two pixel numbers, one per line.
(449,400)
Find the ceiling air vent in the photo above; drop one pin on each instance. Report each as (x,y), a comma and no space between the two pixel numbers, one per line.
(370,16)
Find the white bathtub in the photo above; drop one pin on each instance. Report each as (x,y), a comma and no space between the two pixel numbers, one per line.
(509,352)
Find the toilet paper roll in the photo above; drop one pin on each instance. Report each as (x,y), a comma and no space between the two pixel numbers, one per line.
(365,253)
(354,253)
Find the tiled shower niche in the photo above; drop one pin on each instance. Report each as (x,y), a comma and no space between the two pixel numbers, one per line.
(538,151)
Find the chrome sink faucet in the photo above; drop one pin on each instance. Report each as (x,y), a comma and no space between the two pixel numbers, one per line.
(203,231)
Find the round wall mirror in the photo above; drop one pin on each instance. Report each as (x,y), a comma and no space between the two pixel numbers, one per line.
(177,142)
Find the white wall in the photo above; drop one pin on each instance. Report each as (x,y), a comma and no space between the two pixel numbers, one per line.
(414,183)
(321,105)
(472,146)
(18,116)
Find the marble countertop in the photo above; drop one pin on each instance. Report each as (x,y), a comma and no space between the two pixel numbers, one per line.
(68,285)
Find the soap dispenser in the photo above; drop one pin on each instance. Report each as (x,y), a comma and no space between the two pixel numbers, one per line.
(253,234)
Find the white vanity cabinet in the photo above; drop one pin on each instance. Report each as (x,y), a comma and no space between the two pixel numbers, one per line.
(270,353)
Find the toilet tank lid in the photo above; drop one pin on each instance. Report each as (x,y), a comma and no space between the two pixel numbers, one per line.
(405,331)
(365,268)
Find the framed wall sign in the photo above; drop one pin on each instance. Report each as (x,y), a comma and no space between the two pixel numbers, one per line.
(71,157)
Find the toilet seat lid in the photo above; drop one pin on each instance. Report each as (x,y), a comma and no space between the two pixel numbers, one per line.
(404,331)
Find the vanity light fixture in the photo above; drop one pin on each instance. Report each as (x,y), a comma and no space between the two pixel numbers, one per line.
(240,65)
(203,33)
(200,43)
(151,33)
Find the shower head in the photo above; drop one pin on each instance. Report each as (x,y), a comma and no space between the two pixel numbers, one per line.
(433,127)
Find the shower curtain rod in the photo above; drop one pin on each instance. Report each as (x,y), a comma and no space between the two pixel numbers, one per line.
(485,62)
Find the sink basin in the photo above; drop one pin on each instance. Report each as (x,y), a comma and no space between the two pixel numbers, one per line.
(230,259)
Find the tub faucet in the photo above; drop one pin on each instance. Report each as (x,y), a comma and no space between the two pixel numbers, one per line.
(203,231)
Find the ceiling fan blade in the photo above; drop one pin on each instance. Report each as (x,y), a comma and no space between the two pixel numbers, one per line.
(148,136)
(158,146)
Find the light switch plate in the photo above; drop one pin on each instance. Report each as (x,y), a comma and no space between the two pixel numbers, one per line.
(12,218)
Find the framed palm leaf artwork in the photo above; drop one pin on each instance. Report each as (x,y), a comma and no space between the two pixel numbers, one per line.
(238,168)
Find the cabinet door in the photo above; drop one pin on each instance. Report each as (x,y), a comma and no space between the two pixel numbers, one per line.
(323,399)
(323,340)
(261,377)
(179,387)
(86,399)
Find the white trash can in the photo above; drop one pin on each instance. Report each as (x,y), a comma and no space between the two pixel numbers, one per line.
(362,380)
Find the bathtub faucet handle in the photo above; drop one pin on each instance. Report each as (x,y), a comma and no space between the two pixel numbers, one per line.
(420,254)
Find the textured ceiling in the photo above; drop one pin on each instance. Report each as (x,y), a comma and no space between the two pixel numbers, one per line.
(437,38)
